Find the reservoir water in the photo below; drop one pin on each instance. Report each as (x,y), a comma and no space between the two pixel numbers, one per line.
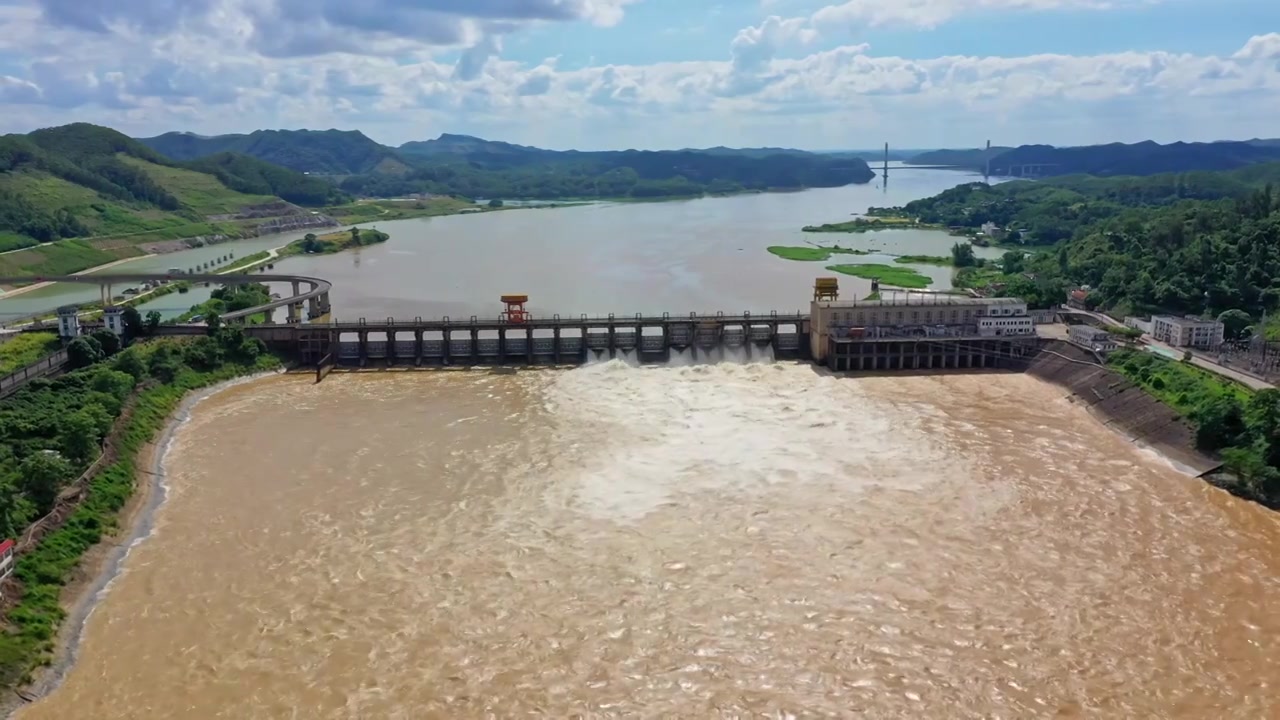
(730,540)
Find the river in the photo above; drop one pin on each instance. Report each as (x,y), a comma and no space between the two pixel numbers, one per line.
(704,255)
(730,540)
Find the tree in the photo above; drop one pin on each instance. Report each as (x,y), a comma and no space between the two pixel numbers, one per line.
(1219,423)
(1234,323)
(153,322)
(129,362)
(962,255)
(133,325)
(1013,261)
(310,244)
(108,341)
(42,476)
(495,203)
(213,322)
(79,437)
(83,352)
(355,236)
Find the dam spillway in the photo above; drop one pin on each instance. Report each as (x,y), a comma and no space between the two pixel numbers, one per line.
(554,340)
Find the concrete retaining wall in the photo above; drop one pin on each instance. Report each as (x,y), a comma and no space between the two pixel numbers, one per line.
(1121,404)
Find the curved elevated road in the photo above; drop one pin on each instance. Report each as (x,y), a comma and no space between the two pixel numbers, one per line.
(317,289)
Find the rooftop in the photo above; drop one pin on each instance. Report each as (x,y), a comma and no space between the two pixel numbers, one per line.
(920,300)
(1189,319)
(1089,331)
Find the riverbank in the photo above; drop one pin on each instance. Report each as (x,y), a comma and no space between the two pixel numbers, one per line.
(336,242)
(104,562)
(8,291)
(1121,405)
(872,224)
(99,419)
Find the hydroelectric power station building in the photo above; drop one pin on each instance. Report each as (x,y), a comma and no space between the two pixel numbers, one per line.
(920,331)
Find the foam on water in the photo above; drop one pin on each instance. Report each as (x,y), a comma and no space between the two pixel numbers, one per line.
(660,432)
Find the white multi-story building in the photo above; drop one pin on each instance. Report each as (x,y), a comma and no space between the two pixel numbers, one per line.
(1138,323)
(1188,332)
(1092,338)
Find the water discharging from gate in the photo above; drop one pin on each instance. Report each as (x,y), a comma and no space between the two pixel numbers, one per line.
(699,541)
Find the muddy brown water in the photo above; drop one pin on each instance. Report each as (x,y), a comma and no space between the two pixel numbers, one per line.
(704,541)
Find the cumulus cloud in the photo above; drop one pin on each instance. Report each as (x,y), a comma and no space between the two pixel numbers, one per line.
(932,13)
(221,65)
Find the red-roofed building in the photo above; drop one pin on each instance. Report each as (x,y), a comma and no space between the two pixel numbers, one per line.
(7,558)
(1076,298)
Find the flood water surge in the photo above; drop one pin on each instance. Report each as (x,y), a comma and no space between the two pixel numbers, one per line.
(705,541)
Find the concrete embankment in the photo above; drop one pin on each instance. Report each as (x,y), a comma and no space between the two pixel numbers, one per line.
(1121,404)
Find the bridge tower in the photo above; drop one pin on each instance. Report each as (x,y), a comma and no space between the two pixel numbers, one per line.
(884,176)
(986,173)
(515,312)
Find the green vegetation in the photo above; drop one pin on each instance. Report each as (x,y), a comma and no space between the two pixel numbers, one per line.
(1115,159)
(367,210)
(1187,243)
(231,298)
(202,193)
(52,431)
(252,176)
(247,262)
(962,255)
(470,167)
(328,152)
(335,242)
(816,253)
(924,260)
(25,349)
(1243,426)
(80,195)
(887,274)
(873,223)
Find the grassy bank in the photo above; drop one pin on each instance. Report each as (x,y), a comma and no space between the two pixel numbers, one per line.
(26,349)
(810,253)
(372,210)
(944,260)
(52,429)
(1182,386)
(887,274)
(871,224)
(1242,426)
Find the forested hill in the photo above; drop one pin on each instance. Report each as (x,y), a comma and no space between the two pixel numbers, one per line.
(974,158)
(327,152)
(1186,243)
(474,167)
(1144,158)
(83,180)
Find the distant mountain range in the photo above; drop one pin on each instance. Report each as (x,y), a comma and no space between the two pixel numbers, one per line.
(475,167)
(1144,158)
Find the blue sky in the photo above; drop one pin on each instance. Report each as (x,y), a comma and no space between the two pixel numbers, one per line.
(653,73)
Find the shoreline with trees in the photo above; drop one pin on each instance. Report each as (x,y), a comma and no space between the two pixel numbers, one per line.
(71,447)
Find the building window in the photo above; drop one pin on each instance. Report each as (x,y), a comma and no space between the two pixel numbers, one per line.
(899,316)
(859,318)
(915,315)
